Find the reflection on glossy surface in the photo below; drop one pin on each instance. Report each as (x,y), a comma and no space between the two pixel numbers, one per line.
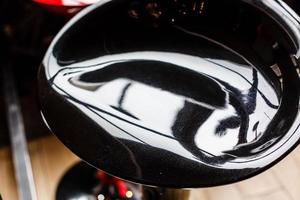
(172,94)
(66,2)
(133,93)
(65,7)
(82,183)
(294,4)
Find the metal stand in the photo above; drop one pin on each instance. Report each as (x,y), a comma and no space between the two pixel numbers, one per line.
(22,165)
(85,182)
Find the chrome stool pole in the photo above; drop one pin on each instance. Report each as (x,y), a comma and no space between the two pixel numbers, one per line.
(20,155)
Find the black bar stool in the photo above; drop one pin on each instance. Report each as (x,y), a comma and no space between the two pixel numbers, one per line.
(176,94)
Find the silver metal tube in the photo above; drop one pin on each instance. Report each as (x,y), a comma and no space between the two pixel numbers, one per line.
(21,160)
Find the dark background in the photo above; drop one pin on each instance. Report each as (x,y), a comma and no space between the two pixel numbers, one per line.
(26,30)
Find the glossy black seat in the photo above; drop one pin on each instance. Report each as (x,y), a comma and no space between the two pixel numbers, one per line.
(176,94)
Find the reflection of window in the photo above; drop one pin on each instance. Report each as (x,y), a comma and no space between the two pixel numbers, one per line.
(195,103)
(152,106)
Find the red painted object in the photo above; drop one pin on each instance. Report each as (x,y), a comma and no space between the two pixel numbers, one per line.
(66,7)
(119,185)
(66,2)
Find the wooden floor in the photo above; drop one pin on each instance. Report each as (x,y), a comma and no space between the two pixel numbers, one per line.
(50,159)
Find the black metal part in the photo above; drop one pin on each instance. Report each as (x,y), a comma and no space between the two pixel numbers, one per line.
(81,182)
(172,94)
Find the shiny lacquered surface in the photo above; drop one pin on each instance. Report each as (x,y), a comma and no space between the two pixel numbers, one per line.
(66,2)
(84,182)
(65,7)
(173,94)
